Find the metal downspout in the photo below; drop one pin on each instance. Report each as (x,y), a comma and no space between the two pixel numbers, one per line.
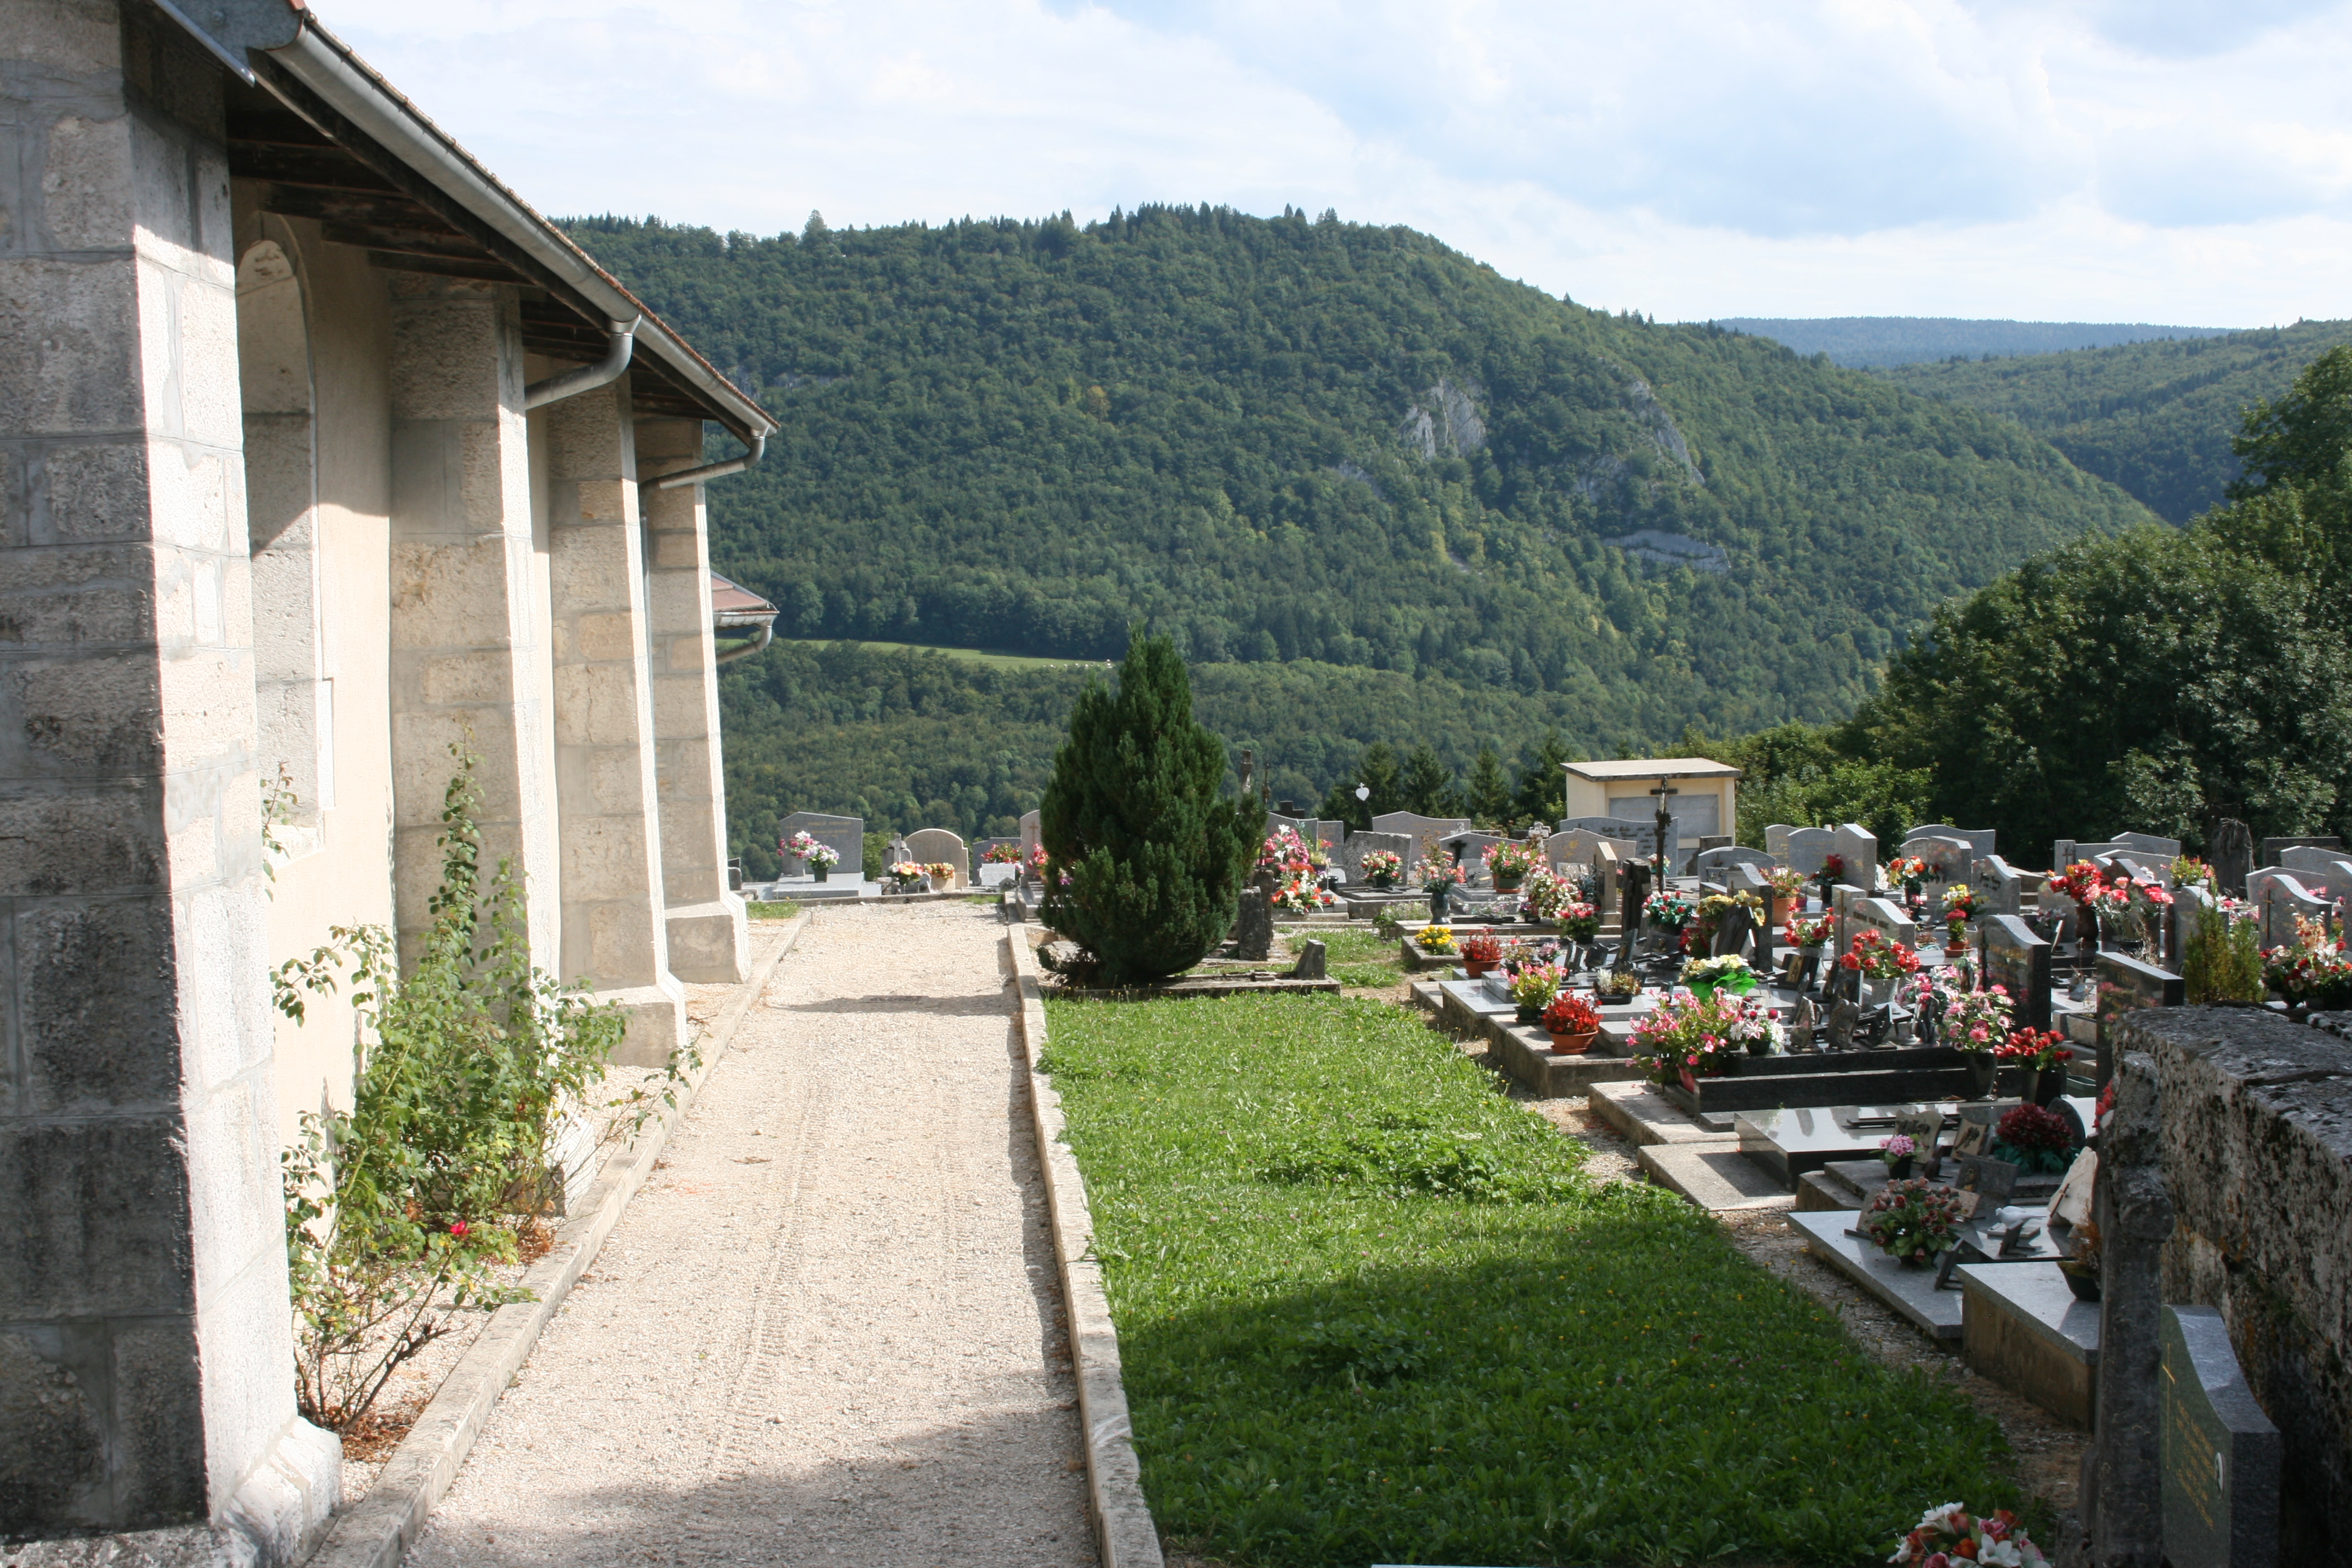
(588,378)
(715,471)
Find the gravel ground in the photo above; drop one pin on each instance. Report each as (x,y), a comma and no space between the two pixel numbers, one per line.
(828,1329)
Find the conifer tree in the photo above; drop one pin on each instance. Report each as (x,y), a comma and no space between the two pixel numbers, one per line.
(1488,793)
(1133,818)
(1543,788)
(1376,771)
(1429,783)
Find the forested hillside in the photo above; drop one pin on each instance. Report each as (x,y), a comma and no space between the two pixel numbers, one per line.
(1906,340)
(1283,439)
(2155,418)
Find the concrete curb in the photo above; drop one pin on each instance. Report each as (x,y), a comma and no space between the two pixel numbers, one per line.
(376,1532)
(1124,1534)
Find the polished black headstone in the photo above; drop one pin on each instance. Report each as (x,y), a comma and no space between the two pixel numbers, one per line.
(2220,1453)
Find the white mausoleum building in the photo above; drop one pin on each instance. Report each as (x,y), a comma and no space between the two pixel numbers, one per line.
(320,452)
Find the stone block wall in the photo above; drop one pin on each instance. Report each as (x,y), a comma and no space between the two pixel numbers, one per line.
(2257,1135)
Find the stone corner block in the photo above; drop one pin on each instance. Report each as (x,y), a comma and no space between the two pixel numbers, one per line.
(657,1022)
(710,945)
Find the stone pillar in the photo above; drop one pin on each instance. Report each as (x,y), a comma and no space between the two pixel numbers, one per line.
(2122,1507)
(707,937)
(145,1347)
(610,819)
(468,658)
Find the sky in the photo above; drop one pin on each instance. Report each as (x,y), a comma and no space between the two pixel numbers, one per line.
(2163,160)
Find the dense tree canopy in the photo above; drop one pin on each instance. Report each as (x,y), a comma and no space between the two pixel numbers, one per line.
(2155,418)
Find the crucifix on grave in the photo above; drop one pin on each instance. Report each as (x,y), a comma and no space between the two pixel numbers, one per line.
(1665,792)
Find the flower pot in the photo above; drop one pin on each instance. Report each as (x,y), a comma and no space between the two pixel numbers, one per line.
(1954,947)
(1983,1073)
(1876,993)
(1900,1170)
(1689,1081)
(1572,1045)
(2084,1280)
(1759,1047)
(816,873)
(1531,1013)
(1476,970)
(1782,909)
(1438,897)
(1509,884)
(2046,1086)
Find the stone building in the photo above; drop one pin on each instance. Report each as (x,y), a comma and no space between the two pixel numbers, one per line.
(320,452)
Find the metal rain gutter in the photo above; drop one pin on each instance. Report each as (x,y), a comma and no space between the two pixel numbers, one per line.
(715,471)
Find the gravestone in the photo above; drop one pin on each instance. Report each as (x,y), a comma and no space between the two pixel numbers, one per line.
(1029,839)
(1643,835)
(2231,852)
(1752,880)
(2281,897)
(2189,905)
(1426,832)
(926,846)
(1349,856)
(2221,1457)
(1883,916)
(1574,846)
(1979,840)
(2328,865)
(1715,864)
(2064,852)
(845,836)
(1606,888)
(1948,859)
(2165,849)
(1858,847)
(2127,985)
(1802,849)
(1731,933)
(2019,961)
(1313,962)
(1470,849)
(2274,850)
(1999,886)
(1254,932)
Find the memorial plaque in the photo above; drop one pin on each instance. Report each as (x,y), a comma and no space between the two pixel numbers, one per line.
(1988,1180)
(2221,1455)
(2019,961)
(1925,1131)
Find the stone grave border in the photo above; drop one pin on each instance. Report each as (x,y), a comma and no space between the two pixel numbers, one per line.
(1125,1535)
(382,1526)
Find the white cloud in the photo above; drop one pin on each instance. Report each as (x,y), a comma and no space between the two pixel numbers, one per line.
(2139,160)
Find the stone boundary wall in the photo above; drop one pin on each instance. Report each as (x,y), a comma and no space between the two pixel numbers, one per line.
(2257,1138)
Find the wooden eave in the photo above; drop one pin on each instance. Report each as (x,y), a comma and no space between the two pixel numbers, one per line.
(314,164)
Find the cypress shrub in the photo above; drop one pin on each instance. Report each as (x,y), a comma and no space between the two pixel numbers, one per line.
(1133,816)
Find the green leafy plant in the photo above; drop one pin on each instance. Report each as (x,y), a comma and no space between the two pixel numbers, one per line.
(2224,959)
(397,1210)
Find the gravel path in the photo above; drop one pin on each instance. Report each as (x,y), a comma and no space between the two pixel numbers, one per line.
(828,1329)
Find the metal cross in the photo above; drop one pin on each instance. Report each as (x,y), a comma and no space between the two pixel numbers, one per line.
(1666,824)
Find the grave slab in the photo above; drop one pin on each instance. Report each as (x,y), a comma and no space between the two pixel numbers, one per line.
(1909,1291)
(2023,1328)
(1712,1176)
(1637,1110)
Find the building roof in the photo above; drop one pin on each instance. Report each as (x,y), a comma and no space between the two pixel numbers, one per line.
(1654,768)
(327,137)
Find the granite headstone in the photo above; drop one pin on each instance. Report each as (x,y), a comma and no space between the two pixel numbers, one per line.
(2221,1455)
(2019,961)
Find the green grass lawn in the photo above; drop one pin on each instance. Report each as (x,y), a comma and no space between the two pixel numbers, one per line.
(1357,957)
(1371,1310)
(782,910)
(969,655)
